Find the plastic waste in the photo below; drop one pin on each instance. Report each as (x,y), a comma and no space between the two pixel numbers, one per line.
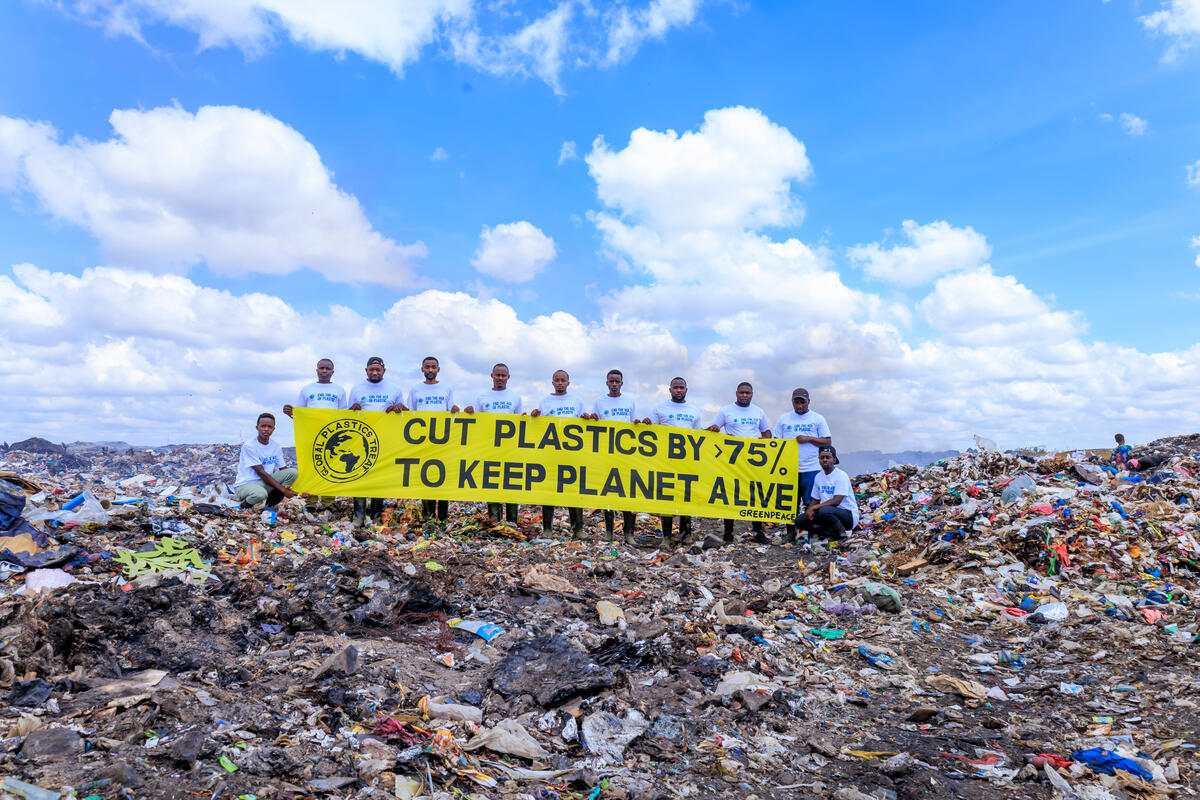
(508,736)
(449,711)
(607,735)
(27,790)
(1106,761)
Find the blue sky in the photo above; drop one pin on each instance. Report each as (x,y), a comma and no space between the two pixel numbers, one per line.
(1049,141)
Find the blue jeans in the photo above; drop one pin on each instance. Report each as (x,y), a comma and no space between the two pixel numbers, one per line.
(806,484)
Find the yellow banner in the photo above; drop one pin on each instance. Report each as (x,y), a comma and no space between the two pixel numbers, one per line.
(545,461)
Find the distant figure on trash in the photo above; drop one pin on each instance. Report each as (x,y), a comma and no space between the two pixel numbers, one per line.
(1122,452)
(263,474)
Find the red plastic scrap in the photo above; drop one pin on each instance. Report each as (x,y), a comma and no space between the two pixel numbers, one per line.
(1053,759)
(392,728)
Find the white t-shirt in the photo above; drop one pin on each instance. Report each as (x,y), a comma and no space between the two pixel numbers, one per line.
(430,397)
(375,396)
(622,408)
(738,421)
(269,456)
(676,415)
(504,401)
(791,425)
(322,395)
(561,405)
(825,487)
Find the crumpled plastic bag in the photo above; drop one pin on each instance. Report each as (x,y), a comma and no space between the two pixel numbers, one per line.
(607,735)
(735,681)
(508,737)
(539,577)
(885,598)
(1106,761)
(973,692)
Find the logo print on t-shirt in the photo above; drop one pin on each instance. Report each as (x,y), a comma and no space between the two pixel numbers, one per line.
(345,450)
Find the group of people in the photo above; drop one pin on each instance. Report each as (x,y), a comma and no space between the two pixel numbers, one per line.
(829,508)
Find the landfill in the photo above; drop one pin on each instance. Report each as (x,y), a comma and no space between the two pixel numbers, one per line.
(1002,624)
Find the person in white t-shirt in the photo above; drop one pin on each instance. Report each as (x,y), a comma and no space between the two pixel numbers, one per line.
(677,413)
(324,393)
(811,430)
(743,418)
(833,510)
(431,395)
(263,474)
(500,400)
(374,394)
(561,403)
(617,407)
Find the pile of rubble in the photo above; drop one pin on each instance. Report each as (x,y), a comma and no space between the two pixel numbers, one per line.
(1002,625)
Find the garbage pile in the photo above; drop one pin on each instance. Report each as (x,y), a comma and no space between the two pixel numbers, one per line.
(1002,625)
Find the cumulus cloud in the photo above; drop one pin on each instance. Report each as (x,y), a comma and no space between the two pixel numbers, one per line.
(935,249)
(439,154)
(714,296)
(156,361)
(735,171)
(515,251)
(1196,246)
(1179,21)
(1133,125)
(231,187)
(980,308)
(491,37)
(1193,174)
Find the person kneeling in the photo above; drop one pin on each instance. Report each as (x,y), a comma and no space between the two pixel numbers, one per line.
(263,475)
(833,510)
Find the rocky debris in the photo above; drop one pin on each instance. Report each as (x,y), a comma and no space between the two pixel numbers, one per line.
(1002,625)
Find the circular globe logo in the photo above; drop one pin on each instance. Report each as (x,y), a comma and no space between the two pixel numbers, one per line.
(345,450)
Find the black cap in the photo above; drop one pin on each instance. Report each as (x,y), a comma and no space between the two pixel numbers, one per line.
(828,448)
(375,360)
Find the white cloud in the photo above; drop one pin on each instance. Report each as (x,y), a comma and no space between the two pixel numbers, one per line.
(515,251)
(566,152)
(155,359)
(491,37)
(229,186)
(1133,125)
(629,29)
(1193,174)
(1196,246)
(980,308)
(734,172)
(1179,20)
(1105,117)
(937,248)
(388,32)
(439,154)
(716,298)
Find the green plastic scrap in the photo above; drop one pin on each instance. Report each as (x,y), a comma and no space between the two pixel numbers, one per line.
(169,554)
(828,633)
(227,764)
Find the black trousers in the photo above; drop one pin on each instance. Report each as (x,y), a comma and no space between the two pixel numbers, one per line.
(360,506)
(574,514)
(628,520)
(441,507)
(510,511)
(828,522)
(685,526)
(754,526)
